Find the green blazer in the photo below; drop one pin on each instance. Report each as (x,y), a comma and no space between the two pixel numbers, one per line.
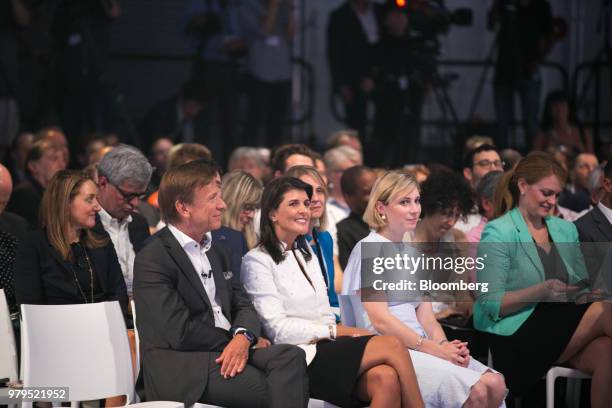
(512,262)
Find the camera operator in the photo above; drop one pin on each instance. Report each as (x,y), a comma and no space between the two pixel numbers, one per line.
(213,27)
(525,36)
(402,70)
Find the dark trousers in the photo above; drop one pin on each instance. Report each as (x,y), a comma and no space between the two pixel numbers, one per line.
(269,104)
(274,377)
(529,91)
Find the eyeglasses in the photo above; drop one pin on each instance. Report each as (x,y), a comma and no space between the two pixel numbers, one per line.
(491,163)
(129,196)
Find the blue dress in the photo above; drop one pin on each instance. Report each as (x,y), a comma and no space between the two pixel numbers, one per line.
(323,247)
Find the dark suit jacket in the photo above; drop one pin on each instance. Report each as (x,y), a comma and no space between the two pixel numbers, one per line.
(138,230)
(235,245)
(350,231)
(595,232)
(348,49)
(175,318)
(42,276)
(25,201)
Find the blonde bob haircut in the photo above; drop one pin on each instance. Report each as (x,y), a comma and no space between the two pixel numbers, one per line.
(238,189)
(55,212)
(299,171)
(385,189)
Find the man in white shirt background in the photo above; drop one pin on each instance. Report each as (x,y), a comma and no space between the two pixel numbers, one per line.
(123,176)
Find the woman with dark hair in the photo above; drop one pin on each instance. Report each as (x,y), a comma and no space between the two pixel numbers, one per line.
(529,274)
(288,291)
(320,240)
(558,127)
(65,262)
(445,197)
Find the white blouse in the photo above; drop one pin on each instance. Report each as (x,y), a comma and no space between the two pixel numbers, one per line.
(291,310)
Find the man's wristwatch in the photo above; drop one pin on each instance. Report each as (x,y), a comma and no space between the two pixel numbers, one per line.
(250,336)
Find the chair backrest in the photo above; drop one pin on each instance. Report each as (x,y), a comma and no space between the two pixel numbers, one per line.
(83,347)
(8,349)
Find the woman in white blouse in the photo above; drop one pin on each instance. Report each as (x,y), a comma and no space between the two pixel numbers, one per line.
(346,365)
(447,375)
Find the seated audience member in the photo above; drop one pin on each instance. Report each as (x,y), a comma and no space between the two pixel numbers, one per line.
(43,160)
(445,198)
(320,240)
(242,194)
(320,166)
(596,227)
(446,373)
(575,196)
(344,137)
(55,135)
(476,164)
(288,291)
(123,177)
(93,149)
(289,155)
(510,158)
(486,208)
(13,228)
(528,327)
(66,262)
(558,129)
(337,160)
(356,183)
(247,159)
(196,328)
(159,155)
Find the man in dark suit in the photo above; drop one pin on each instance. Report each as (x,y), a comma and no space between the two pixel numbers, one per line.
(595,229)
(235,245)
(197,329)
(123,177)
(352,31)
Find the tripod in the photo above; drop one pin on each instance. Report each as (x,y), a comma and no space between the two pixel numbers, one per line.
(603,58)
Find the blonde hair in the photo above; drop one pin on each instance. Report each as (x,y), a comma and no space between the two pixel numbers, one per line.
(299,171)
(385,189)
(239,188)
(55,212)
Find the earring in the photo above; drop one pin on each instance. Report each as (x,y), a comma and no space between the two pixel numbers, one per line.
(522,193)
(383,217)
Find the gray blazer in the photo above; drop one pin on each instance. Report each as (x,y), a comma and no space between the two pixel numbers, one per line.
(175,318)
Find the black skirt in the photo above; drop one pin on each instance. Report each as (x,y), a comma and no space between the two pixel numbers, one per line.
(334,371)
(526,356)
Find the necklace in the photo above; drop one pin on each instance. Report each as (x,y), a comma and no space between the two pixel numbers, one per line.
(90,277)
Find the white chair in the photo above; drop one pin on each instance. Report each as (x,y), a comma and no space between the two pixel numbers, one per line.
(82,347)
(570,373)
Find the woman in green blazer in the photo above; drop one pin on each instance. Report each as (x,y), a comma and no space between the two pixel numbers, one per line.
(530,309)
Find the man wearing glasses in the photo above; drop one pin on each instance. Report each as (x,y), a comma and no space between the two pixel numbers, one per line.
(480,161)
(477,163)
(123,176)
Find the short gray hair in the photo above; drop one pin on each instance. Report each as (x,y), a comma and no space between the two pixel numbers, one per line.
(333,157)
(245,152)
(125,163)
